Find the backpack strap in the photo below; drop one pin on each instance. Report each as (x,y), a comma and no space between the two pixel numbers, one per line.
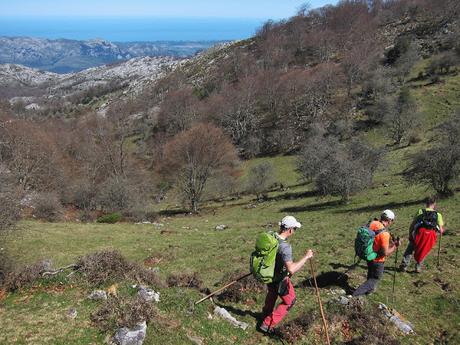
(378,232)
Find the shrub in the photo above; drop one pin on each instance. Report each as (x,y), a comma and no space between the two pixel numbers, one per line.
(122,312)
(221,186)
(128,197)
(442,64)
(337,169)
(260,178)
(402,117)
(116,194)
(9,201)
(312,155)
(87,216)
(380,109)
(139,213)
(109,266)
(111,218)
(185,280)
(84,195)
(439,166)
(25,276)
(47,207)
(295,329)
(415,137)
(6,266)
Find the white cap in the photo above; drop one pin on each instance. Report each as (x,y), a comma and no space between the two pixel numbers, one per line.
(289,222)
(388,214)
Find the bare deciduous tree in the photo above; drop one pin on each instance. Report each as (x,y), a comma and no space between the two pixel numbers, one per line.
(439,166)
(336,168)
(402,116)
(178,111)
(9,200)
(191,157)
(31,155)
(260,178)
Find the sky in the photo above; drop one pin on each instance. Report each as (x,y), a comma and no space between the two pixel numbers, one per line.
(264,9)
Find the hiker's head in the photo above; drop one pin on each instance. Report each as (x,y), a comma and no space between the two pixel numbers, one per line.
(288,224)
(387,217)
(430,202)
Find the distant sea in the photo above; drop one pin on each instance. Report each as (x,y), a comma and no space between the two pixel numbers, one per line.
(122,29)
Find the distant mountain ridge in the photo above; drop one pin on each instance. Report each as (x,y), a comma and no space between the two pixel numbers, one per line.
(35,89)
(66,56)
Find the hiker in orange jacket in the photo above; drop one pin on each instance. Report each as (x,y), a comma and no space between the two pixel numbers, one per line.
(383,246)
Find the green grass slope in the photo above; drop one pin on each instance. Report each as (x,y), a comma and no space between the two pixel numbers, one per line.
(190,243)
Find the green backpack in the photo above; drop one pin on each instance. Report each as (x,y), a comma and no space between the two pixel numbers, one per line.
(364,243)
(263,258)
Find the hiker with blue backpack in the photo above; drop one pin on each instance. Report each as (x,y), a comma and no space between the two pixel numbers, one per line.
(374,243)
(424,230)
(272,263)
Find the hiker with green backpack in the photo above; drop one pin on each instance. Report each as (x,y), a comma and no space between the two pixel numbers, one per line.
(272,263)
(374,243)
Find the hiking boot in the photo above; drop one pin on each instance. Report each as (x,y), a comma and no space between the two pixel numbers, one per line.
(418,268)
(266,329)
(402,268)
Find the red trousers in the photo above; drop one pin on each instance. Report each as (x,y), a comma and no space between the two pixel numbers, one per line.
(286,292)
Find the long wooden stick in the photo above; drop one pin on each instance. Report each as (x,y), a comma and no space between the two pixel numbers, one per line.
(222,288)
(319,302)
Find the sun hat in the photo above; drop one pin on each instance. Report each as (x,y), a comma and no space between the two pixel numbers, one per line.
(289,222)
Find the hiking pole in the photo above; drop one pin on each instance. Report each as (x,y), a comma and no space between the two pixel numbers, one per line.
(319,301)
(394,272)
(439,247)
(222,288)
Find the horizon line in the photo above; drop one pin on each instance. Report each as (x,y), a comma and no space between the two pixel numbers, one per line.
(2,16)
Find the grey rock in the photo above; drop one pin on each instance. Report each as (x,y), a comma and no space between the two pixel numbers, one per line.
(195,340)
(135,336)
(72,313)
(403,325)
(343,300)
(98,295)
(348,300)
(224,314)
(148,294)
(221,227)
(339,292)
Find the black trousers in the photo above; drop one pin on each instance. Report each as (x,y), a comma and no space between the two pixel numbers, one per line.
(374,274)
